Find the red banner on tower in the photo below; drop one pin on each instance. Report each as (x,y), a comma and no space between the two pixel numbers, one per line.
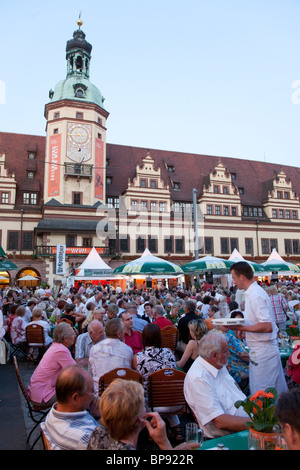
(54,165)
(99,168)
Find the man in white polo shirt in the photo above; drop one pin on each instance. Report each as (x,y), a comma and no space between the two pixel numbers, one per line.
(211,392)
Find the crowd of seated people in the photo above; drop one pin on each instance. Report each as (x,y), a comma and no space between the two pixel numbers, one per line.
(108,329)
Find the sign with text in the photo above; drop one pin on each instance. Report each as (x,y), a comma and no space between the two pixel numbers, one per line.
(99,168)
(77,250)
(54,165)
(60,259)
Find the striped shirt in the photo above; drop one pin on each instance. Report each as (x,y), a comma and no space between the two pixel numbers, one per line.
(68,431)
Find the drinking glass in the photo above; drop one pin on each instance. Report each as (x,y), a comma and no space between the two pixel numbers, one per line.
(194,434)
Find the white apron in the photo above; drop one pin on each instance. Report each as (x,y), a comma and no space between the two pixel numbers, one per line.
(265,369)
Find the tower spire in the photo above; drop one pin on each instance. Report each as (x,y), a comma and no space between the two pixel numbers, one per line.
(78,53)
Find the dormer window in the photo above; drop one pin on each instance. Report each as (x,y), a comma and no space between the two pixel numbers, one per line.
(177,186)
(30,174)
(31,155)
(171,168)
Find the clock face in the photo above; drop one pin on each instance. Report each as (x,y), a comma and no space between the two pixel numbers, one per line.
(79,142)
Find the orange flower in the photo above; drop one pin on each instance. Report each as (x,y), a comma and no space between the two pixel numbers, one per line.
(259,403)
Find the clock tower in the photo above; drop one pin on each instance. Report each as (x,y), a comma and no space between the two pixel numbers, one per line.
(76,132)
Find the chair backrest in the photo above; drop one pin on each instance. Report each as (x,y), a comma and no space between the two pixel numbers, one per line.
(20,381)
(35,335)
(119,373)
(169,337)
(46,442)
(66,320)
(165,389)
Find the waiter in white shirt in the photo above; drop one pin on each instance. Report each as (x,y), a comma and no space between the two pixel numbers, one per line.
(260,329)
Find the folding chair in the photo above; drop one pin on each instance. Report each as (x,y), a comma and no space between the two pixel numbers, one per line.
(169,337)
(119,373)
(37,413)
(35,337)
(19,350)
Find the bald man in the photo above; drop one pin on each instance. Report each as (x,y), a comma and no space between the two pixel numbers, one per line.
(68,425)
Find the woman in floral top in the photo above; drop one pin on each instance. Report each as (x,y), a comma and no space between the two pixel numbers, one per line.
(154,358)
(238,358)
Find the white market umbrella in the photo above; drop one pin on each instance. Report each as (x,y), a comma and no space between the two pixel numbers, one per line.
(28,278)
(236,257)
(149,264)
(93,265)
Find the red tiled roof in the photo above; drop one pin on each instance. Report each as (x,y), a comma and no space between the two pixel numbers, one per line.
(191,170)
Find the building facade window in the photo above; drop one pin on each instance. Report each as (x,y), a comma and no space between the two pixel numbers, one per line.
(152,244)
(265,247)
(218,210)
(12,240)
(140,245)
(153,206)
(179,245)
(144,206)
(169,245)
(224,246)
(162,207)
(134,205)
(87,241)
(29,199)
(71,240)
(4,198)
(77,198)
(27,242)
(249,246)
(124,245)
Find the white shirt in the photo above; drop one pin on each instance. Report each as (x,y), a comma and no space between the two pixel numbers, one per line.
(258,309)
(107,355)
(211,392)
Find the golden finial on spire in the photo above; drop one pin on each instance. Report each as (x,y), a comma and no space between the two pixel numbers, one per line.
(79,21)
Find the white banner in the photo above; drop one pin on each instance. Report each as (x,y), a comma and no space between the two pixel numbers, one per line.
(60,259)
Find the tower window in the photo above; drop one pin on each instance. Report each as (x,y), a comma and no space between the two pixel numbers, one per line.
(79,93)
(79,115)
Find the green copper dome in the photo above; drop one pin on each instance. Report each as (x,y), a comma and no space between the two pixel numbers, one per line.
(78,89)
(77,86)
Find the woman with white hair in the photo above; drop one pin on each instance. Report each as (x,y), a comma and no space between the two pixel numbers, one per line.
(37,319)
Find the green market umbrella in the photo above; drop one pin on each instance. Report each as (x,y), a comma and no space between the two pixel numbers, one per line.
(6,265)
(276,264)
(208,264)
(148,264)
(2,253)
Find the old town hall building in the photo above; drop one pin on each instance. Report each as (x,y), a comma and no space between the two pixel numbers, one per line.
(71,187)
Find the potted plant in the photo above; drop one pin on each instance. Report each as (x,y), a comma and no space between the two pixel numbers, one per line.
(294,332)
(260,408)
